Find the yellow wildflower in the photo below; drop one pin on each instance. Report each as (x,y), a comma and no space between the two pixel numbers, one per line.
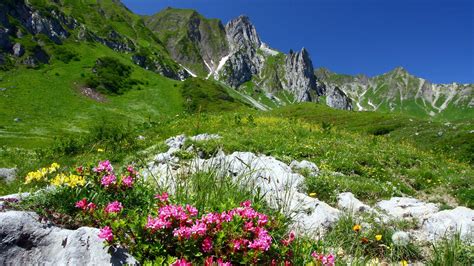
(58,180)
(100,150)
(356,228)
(312,194)
(378,237)
(404,263)
(70,181)
(53,167)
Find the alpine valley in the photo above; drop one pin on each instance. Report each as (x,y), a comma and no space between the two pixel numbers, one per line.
(361,169)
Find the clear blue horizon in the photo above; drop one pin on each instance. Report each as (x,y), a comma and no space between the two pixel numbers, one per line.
(432,39)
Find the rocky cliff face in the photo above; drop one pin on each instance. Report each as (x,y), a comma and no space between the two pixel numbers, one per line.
(243,62)
(398,90)
(337,99)
(194,41)
(299,76)
(24,24)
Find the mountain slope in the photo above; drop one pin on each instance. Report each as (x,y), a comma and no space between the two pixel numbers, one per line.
(236,56)
(399,91)
(31,32)
(191,39)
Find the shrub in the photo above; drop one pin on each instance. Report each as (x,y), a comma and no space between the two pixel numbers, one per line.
(111,76)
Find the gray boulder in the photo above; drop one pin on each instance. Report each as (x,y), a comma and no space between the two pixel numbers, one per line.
(18,50)
(25,240)
(8,174)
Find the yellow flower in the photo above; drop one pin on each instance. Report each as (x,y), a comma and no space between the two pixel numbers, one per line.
(378,237)
(100,150)
(70,181)
(53,167)
(404,263)
(356,228)
(312,194)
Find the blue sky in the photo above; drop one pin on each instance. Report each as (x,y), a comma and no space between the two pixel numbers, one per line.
(433,39)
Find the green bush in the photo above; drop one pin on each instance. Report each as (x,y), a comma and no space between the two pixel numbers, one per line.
(111,76)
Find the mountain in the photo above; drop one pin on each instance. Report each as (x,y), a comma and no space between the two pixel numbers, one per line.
(31,32)
(399,91)
(191,39)
(181,43)
(235,55)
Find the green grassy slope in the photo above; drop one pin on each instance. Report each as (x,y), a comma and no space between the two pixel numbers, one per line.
(49,101)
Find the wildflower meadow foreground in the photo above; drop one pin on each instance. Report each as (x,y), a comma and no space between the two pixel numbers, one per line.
(155,228)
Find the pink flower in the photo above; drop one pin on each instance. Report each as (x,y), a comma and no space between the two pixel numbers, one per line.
(157,223)
(209,261)
(263,241)
(199,229)
(181,262)
(220,262)
(182,232)
(262,219)
(163,197)
(191,210)
(114,207)
(326,260)
(108,179)
(82,204)
(128,181)
(291,238)
(104,166)
(91,206)
(207,245)
(106,233)
(246,204)
(131,170)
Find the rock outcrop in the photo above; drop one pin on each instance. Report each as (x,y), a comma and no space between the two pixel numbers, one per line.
(25,240)
(8,174)
(283,187)
(337,99)
(243,62)
(299,76)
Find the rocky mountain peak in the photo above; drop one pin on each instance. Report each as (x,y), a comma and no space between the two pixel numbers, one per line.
(241,34)
(299,75)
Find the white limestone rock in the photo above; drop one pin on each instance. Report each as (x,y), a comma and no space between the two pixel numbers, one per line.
(304,165)
(348,202)
(24,240)
(447,222)
(403,208)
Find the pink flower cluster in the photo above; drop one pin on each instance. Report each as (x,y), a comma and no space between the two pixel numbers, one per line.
(113,207)
(84,205)
(325,260)
(129,179)
(106,233)
(108,180)
(105,169)
(104,166)
(184,225)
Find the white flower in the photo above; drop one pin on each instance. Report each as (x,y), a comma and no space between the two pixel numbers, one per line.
(400,238)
